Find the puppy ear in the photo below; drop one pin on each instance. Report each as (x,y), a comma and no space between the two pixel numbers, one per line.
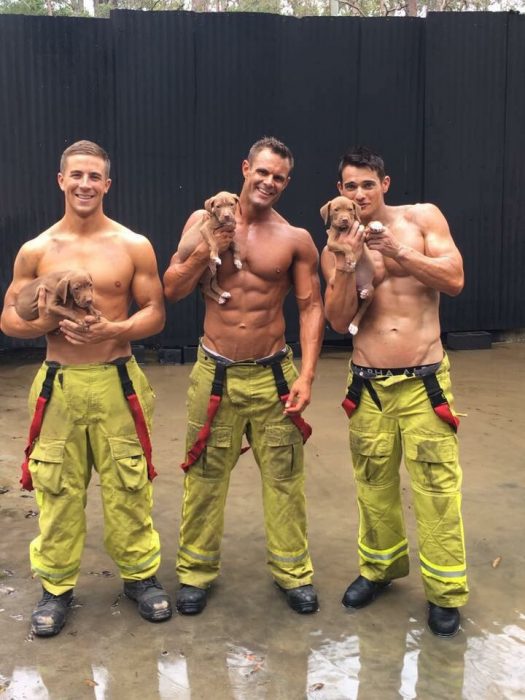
(357,211)
(238,200)
(325,214)
(208,204)
(62,289)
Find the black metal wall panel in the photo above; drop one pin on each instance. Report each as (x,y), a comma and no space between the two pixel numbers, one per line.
(315,97)
(466,58)
(155,159)
(511,292)
(391,100)
(56,87)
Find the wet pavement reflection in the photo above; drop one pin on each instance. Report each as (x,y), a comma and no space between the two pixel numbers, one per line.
(247,644)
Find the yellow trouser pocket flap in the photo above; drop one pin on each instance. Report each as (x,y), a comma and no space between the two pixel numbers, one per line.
(285,451)
(431,448)
(131,464)
(221,435)
(45,465)
(372,444)
(281,435)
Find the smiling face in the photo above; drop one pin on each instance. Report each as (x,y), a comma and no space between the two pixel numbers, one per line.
(364,186)
(84,182)
(265,178)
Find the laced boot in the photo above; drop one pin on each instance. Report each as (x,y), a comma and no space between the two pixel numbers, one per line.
(153,602)
(49,616)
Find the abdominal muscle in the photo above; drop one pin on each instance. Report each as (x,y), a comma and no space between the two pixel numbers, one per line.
(250,325)
(401,327)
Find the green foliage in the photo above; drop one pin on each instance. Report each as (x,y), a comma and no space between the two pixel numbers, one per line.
(34,7)
(297,8)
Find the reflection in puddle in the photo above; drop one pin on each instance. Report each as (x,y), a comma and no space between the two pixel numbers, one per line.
(333,670)
(247,672)
(406,664)
(496,664)
(173,679)
(26,683)
(421,666)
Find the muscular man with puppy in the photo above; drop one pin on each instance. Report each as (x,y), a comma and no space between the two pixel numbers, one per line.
(399,398)
(88,419)
(243,358)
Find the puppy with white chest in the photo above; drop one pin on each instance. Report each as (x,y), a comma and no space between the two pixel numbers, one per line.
(339,215)
(219,214)
(69,294)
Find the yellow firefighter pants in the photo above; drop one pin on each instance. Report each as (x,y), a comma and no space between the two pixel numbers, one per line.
(250,406)
(87,423)
(408,426)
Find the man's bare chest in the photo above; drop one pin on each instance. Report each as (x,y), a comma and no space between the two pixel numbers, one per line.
(265,257)
(109,264)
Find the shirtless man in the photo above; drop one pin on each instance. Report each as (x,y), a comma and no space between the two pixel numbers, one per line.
(87,420)
(397,364)
(243,348)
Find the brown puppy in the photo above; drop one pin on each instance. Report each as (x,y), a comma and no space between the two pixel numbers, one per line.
(69,295)
(339,215)
(220,213)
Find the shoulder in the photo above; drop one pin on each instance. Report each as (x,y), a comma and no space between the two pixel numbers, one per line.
(423,215)
(127,236)
(302,238)
(34,248)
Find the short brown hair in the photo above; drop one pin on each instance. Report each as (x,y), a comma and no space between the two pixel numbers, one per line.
(85,148)
(273,145)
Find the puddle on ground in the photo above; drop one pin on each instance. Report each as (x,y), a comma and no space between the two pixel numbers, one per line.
(482,665)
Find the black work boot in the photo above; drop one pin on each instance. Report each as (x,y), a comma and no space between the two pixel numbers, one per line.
(443,621)
(153,602)
(191,600)
(49,616)
(362,591)
(302,599)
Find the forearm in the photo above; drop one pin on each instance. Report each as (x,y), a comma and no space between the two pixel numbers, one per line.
(341,302)
(181,278)
(12,325)
(144,323)
(440,273)
(311,335)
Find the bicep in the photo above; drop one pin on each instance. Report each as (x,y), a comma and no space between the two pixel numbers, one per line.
(24,271)
(146,287)
(306,275)
(438,239)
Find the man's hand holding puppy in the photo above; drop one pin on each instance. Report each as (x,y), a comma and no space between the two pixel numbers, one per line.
(355,238)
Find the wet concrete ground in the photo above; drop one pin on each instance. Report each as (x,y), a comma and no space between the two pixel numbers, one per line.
(247,644)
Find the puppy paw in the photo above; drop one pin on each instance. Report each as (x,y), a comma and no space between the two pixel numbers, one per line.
(238,264)
(352,329)
(217,261)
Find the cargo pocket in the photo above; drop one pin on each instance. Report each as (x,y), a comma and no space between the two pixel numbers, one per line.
(216,455)
(284,444)
(46,466)
(371,453)
(130,461)
(433,460)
